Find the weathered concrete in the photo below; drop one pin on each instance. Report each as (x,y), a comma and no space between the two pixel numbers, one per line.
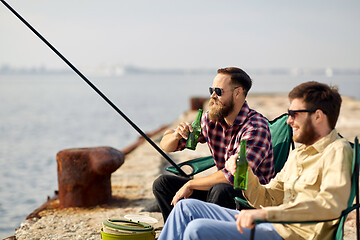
(132,182)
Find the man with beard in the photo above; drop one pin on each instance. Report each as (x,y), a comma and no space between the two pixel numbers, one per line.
(313,185)
(228,121)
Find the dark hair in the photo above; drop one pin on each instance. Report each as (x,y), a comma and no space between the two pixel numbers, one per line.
(319,96)
(238,77)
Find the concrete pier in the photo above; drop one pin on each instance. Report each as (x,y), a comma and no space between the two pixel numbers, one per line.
(132,183)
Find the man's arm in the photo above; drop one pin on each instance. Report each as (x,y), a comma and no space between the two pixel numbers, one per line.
(333,192)
(257,194)
(171,137)
(203,183)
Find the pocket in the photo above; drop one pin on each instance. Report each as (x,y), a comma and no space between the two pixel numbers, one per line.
(310,178)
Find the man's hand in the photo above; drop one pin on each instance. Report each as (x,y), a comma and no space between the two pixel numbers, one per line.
(183,130)
(246,218)
(230,164)
(171,137)
(184,192)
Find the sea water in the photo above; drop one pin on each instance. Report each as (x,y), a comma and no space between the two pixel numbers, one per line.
(41,114)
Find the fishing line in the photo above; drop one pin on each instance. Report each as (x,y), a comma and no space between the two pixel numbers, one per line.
(96,89)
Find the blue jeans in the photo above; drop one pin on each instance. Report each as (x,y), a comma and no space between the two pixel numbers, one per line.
(194,219)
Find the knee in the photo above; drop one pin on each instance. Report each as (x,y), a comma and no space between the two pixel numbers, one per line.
(222,194)
(189,202)
(219,188)
(196,229)
(188,206)
(218,193)
(159,183)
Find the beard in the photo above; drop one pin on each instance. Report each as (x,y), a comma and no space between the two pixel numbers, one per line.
(308,135)
(218,112)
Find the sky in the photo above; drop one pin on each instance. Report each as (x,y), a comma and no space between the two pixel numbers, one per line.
(183,34)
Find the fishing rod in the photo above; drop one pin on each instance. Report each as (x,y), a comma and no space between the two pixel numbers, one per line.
(96,89)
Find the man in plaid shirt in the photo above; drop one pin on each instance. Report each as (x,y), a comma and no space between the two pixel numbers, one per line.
(228,120)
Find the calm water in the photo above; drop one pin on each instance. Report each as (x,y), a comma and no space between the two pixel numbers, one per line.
(43,114)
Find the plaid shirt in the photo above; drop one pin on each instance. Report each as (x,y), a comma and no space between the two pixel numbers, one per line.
(224,141)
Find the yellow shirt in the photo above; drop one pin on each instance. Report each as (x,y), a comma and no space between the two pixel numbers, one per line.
(314,184)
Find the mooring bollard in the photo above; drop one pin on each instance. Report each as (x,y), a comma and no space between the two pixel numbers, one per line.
(84,175)
(197,102)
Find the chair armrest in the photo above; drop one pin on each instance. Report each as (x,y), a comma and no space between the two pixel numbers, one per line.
(343,213)
(197,165)
(242,204)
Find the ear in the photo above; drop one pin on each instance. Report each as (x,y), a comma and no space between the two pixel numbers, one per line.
(320,120)
(320,116)
(239,92)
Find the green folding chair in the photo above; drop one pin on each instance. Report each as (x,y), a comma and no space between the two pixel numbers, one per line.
(281,137)
(353,194)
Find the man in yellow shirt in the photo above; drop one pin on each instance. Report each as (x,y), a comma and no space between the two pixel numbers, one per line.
(314,184)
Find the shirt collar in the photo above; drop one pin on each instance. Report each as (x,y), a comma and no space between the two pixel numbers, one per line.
(243,114)
(320,145)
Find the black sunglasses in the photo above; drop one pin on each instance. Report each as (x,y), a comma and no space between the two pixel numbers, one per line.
(292,113)
(219,91)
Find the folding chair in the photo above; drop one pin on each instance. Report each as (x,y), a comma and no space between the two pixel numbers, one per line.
(353,194)
(281,137)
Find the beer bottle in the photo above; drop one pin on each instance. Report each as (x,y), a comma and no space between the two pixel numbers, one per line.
(241,173)
(194,135)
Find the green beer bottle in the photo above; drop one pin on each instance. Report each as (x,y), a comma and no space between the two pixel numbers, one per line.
(241,173)
(194,135)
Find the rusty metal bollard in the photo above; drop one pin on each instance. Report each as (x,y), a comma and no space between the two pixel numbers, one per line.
(84,175)
(197,102)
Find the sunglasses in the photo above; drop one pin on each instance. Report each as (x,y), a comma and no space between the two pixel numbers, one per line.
(292,113)
(219,91)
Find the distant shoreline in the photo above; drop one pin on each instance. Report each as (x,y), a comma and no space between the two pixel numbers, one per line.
(118,70)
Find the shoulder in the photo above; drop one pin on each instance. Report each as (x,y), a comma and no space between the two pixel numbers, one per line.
(257,120)
(340,144)
(340,153)
(256,127)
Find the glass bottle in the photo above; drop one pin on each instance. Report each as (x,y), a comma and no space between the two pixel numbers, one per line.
(241,173)
(194,135)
